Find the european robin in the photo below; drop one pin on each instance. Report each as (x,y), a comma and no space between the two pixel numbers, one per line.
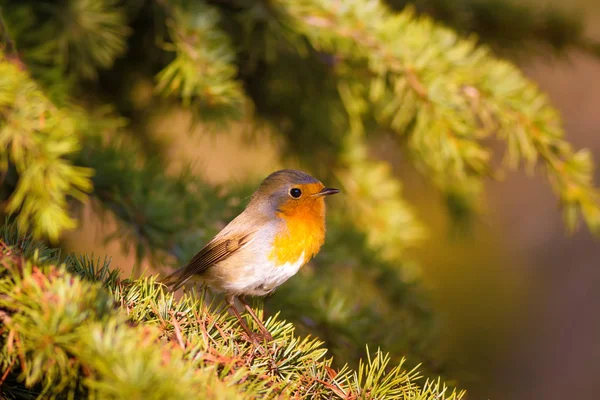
(280,230)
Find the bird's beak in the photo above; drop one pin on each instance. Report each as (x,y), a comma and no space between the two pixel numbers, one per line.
(326,192)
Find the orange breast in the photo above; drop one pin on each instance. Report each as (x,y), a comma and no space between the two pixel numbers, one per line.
(305,232)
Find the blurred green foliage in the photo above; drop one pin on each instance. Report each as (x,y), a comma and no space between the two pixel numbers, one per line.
(513,28)
(327,77)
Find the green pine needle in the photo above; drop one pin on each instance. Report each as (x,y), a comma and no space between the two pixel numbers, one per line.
(101,337)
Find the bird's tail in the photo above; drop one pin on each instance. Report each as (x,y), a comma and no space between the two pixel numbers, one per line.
(170,279)
(175,280)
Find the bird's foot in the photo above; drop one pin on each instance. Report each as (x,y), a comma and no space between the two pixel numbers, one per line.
(257,338)
(267,336)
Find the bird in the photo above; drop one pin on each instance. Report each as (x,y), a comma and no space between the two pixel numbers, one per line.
(281,229)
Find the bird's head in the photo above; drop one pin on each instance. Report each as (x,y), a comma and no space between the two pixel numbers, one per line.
(293,194)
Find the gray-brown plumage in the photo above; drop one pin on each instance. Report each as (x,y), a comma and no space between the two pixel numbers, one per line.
(214,252)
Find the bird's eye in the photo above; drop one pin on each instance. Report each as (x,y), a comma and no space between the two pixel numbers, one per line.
(295,193)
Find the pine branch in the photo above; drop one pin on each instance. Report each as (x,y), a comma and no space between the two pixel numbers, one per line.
(203,73)
(445,94)
(37,138)
(65,336)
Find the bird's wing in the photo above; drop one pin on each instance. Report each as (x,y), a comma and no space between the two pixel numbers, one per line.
(215,251)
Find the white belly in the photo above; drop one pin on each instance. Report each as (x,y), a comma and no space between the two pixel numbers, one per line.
(257,279)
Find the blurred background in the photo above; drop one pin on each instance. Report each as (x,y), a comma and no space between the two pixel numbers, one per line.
(505,307)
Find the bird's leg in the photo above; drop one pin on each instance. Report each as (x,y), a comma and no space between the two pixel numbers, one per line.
(261,326)
(231,302)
